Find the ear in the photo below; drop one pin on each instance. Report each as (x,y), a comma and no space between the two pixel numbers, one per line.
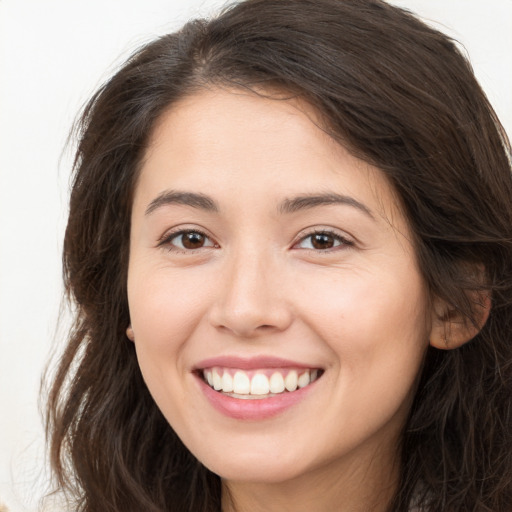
(129,333)
(451,329)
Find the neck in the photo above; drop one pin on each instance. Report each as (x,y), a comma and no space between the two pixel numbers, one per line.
(345,486)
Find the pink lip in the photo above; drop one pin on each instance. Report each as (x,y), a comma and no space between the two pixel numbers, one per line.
(252,409)
(253,363)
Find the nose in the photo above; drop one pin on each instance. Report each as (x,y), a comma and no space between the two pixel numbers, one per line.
(251,301)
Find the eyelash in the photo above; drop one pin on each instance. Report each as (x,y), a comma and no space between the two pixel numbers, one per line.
(342,241)
(167,239)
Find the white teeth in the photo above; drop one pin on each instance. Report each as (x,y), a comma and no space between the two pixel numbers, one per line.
(303,379)
(259,385)
(217,381)
(276,383)
(227,382)
(241,383)
(290,381)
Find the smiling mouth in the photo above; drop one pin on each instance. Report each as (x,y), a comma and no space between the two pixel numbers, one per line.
(263,383)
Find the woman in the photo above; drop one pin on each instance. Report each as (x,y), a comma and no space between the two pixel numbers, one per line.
(290,247)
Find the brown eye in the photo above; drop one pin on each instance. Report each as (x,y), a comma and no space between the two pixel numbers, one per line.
(192,240)
(322,241)
(188,240)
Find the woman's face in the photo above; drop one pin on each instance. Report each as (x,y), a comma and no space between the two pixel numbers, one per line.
(266,259)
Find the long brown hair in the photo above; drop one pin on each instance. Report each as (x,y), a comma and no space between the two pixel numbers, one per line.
(397,94)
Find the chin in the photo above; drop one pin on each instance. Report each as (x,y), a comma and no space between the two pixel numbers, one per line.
(264,474)
(258,465)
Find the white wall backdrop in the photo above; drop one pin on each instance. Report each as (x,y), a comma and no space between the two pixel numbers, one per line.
(53,55)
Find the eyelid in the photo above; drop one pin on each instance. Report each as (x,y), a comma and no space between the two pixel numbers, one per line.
(346,240)
(172,233)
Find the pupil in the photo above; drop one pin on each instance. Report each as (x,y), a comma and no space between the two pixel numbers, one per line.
(321,241)
(193,240)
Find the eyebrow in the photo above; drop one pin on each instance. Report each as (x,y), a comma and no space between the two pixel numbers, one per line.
(192,199)
(307,201)
(290,205)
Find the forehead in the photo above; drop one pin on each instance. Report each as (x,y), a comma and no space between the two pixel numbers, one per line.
(233,143)
(222,118)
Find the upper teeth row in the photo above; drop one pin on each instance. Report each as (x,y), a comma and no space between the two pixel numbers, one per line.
(259,384)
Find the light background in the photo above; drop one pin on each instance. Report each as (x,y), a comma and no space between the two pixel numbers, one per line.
(53,55)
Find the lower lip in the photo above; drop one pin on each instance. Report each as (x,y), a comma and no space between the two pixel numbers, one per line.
(254,409)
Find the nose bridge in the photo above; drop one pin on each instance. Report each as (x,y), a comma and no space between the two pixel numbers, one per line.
(251,300)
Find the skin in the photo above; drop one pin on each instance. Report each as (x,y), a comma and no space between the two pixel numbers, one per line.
(359,310)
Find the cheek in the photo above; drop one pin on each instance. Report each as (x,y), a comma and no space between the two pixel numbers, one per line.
(376,329)
(367,314)
(165,309)
(165,305)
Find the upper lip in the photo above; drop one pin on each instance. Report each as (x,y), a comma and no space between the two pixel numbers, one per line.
(251,363)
